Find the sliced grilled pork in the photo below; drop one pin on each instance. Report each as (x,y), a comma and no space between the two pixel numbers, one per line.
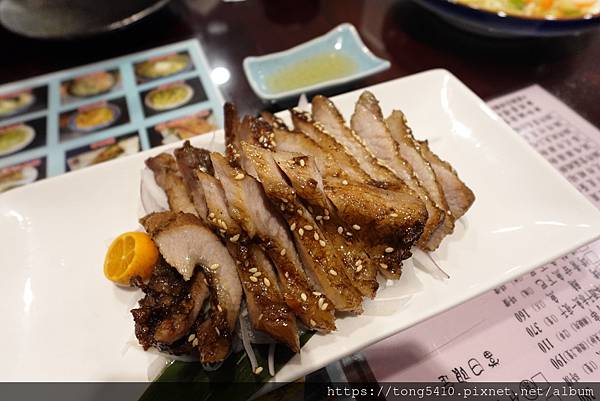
(184,242)
(320,259)
(387,222)
(411,151)
(355,243)
(308,184)
(458,195)
(331,120)
(371,127)
(189,159)
(339,160)
(168,178)
(252,210)
(302,172)
(266,306)
(169,308)
(218,214)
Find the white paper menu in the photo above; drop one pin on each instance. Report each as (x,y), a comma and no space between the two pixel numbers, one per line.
(542,327)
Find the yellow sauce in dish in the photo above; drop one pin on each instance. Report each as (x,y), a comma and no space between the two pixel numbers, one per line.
(319,68)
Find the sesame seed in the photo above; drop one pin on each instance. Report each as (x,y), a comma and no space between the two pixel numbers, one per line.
(358,262)
(253,270)
(302,162)
(282,253)
(223,224)
(313,323)
(359,268)
(340,230)
(321,302)
(304,297)
(389,249)
(301,231)
(308,227)
(316,237)
(218,331)
(260,316)
(234,238)
(324,306)
(211,215)
(287,274)
(333,272)
(383,265)
(214,266)
(258,370)
(317,294)
(322,243)
(240,176)
(326,212)
(191,338)
(257,274)
(318,218)
(293,226)
(267,282)
(348,233)
(253,279)
(299,211)
(195,342)
(345,182)
(219,308)
(356,227)
(394,214)
(326,217)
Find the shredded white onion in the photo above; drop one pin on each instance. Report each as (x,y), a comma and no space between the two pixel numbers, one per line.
(271,359)
(246,343)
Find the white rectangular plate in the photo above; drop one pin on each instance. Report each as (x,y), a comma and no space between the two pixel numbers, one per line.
(62,320)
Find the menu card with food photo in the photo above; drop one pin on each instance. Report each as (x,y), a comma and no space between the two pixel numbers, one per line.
(80,117)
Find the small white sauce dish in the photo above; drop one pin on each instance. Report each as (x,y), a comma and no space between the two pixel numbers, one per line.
(343,39)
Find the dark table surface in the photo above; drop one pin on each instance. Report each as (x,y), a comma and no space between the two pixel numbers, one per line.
(398,30)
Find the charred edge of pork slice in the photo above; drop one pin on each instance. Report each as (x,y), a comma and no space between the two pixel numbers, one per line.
(331,120)
(275,121)
(247,203)
(232,133)
(214,335)
(458,195)
(168,178)
(169,309)
(266,307)
(369,126)
(319,258)
(189,159)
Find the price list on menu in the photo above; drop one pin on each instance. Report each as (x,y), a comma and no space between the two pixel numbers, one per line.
(542,327)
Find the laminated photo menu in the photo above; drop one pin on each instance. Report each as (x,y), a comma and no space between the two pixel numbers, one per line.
(80,117)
